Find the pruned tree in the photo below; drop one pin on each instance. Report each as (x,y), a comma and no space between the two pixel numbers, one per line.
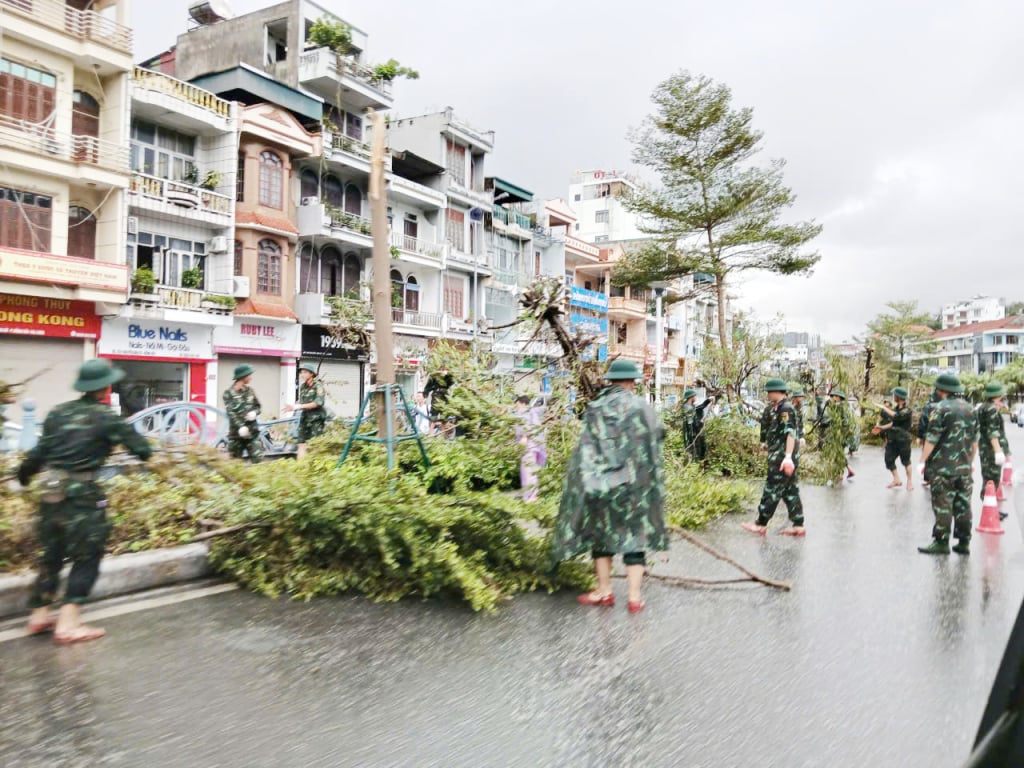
(714,212)
(727,369)
(895,337)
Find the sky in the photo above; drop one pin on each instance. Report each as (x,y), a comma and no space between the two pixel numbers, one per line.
(900,122)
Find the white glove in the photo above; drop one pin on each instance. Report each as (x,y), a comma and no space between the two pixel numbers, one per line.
(788,467)
(243,431)
(251,416)
(1000,458)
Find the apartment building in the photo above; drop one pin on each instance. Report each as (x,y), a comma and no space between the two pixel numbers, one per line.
(973,348)
(596,197)
(64,107)
(978,309)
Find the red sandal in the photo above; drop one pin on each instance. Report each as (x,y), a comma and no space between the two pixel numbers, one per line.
(635,606)
(592,598)
(82,634)
(41,627)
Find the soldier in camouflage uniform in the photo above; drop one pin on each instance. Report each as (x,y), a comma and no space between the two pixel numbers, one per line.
(783,457)
(243,411)
(992,444)
(312,413)
(949,448)
(796,398)
(895,425)
(922,430)
(693,424)
(614,493)
(78,436)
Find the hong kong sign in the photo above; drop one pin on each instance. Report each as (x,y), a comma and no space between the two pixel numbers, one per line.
(152,338)
(36,316)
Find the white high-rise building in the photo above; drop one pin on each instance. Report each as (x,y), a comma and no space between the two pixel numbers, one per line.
(975,310)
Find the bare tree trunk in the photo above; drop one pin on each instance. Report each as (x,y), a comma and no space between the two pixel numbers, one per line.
(723,337)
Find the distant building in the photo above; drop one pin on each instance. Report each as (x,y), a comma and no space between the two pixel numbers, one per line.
(975,348)
(979,309)
(596,197)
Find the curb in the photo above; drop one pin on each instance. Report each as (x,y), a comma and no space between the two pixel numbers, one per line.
(119,575)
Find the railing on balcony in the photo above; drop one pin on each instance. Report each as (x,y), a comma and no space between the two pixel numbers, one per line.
(181,194)
(179,298)
(347,66)
(622,304)
(417,246)
(350,221)
(636,352)
(40,139)
(343,143)
(157,81)
(512,218)
(85,25)
(418,319)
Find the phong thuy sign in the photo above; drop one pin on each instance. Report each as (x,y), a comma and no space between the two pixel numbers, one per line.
(36,316)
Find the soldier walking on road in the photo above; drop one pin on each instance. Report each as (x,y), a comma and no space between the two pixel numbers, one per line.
(693,424)
(783,458)
(243,410)
(992,444)
(949,448)
(897,431)
(796,398)
(78,437)
(312,414)
(614,494)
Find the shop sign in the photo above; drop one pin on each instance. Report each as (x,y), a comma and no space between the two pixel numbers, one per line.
(581,297)
(319,343)
(63,270)
(36,316)
(258,337)
(152,338)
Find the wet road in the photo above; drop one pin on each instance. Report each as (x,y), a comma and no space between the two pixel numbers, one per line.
(878,657)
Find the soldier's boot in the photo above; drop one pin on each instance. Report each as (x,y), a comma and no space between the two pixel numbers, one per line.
(937,547)
(962,547)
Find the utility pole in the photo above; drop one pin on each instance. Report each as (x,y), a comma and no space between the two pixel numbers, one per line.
(383,337)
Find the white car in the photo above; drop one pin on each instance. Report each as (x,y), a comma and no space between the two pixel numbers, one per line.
(1017,415)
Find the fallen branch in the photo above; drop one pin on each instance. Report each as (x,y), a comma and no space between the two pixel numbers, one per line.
(751,576)
(229,529)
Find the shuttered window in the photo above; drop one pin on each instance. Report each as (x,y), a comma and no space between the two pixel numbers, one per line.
(25,220)
(454,290)
(457,229)
(268,273)
(81,233)
(26,93)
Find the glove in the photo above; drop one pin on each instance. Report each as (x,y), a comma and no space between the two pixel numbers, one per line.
(788,467)
(243,431)
(1000,458)
(251,416)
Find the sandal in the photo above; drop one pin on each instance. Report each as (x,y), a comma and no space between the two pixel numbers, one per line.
(40,627)
(82,634)
(635,606)
(755,528)
(796,530)
(592,598)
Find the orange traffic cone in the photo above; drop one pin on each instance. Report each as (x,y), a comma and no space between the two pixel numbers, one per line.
(990,511)
(1007,478)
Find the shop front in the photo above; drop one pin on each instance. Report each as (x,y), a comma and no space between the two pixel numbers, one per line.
(42,344)
(341,368)
(271,347)
(163,361)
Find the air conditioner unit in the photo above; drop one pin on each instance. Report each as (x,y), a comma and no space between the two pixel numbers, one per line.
(219,244)
(133,225)
(310,200)
(240,287)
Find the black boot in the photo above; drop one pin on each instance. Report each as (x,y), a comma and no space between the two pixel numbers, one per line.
(962,547)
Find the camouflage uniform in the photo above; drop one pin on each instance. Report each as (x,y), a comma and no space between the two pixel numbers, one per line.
(953,430)
(78,436)
(990,427)
(693,429)
(312,421)
(766,422)
(614,493)
(239,404)
(925,417)
(898,437)
(778,487)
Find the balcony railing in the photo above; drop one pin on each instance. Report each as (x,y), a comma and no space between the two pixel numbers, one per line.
(418,319)
(343,143)
(40,139)
(417,246)
(622,304)
(512,218)
(85,25)
(180,298)
(181,194)
(349,68)
(350,221)
(157,81)
(636,352)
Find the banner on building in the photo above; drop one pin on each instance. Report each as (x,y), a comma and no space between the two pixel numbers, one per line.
(258,337)
(122,337)
(63,270)
(36,316)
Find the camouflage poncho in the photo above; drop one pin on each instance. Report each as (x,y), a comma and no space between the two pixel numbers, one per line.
(614,494)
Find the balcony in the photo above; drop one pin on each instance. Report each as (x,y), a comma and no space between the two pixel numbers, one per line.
(512,223)
(178,305)
(480,198)
(81,153)
(467,261)
(420,195)
(424,321)
(82,25)
(178,104)
(321,70)
(635,352)
(621,307)
(181,200)
(428,252)
(321,220)
(579,251)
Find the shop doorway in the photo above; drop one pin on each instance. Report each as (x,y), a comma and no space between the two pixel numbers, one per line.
(150,383)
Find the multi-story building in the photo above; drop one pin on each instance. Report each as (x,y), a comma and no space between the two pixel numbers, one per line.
(64,106)
(596,197)
(973,348)
(979,309)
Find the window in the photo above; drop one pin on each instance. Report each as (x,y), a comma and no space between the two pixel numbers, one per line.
(456,162)
(576,198)
(25,220)
(271,180)
(457,229)
(601,217)
(238,257)
(309,185)
(26,93)
(412,294)
(240,179)
(268,271)
(333,193)
(85,121)
(410,232)
(397,295)
(454,290)
(81,232)
(536,263)
(330,272)
(353,200)
(350,278)
(353,126)
(162,152)
(601,238)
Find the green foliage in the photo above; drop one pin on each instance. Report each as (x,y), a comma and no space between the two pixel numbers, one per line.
(333,34)
(733,448)
(143,280)
(192,278)
(894,336)
(391,69)
(228,302)
(714,212)
(728,369)
(694,497)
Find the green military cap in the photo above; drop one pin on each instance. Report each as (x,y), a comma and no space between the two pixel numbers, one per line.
(243,370)
(687,394)
(775,385)
(838,393)
(947,382)
(97,374)
(307,365)
(623,370)
(901,393)
(994,389)
(795,390)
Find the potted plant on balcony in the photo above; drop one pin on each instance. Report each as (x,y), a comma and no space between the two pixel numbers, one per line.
(192,278)
(211,180)
(218,302)
(336,35)
(390,69)
(143,285)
